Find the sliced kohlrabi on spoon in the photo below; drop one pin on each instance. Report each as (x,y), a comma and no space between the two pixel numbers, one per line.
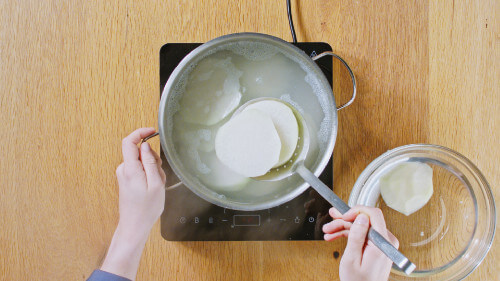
(285,123)
(248,143)
(407,187)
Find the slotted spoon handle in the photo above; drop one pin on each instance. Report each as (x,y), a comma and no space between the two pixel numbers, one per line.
(378,240)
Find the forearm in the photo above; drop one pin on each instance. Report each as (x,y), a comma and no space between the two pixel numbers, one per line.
(124,253)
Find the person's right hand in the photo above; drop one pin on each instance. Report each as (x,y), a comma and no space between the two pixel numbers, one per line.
(362,260)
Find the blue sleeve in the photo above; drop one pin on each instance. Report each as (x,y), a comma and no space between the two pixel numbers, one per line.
(99,275)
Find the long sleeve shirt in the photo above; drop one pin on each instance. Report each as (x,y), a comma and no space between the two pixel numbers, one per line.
(99,275)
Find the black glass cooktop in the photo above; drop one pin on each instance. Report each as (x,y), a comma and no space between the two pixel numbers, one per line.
(187,217)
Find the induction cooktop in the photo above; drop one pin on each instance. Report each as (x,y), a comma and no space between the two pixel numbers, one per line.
(187,217)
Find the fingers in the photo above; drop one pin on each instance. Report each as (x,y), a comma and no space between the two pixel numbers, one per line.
(376,217)
(150,164)
(333,236)
(336,229)
(394,241)
(357,238)
(129,143)
(334,213)
(373,253)
(336,225)
(160,169)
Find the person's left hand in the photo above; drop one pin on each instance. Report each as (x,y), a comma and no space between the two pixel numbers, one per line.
(141,182)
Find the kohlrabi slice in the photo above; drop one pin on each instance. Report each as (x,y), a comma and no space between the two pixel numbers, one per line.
(248,143)
(212,91)
(285,123)
(407,187)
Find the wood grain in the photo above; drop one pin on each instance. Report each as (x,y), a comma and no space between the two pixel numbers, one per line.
(77,76)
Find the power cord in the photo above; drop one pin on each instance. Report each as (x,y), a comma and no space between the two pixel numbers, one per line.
(290,20)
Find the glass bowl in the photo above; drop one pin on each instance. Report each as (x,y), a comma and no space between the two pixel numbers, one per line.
(448,237)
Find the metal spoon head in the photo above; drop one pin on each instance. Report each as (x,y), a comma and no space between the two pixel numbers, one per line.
(301,149)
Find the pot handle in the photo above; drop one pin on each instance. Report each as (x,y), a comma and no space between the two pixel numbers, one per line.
(149,137)
(350,73)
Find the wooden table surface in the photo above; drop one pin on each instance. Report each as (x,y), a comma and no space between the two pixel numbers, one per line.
(77,76)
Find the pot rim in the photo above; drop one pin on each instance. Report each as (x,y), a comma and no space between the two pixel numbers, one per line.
(285,47)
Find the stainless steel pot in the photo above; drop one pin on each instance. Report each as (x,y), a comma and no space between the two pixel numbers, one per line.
(168,103)
(309,169)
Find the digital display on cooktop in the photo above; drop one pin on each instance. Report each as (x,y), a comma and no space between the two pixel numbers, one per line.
(187,217)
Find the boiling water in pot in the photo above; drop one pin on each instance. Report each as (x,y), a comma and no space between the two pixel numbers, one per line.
(220,82)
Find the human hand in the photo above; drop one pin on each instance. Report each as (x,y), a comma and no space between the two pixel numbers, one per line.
(362,260)
(141,183)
